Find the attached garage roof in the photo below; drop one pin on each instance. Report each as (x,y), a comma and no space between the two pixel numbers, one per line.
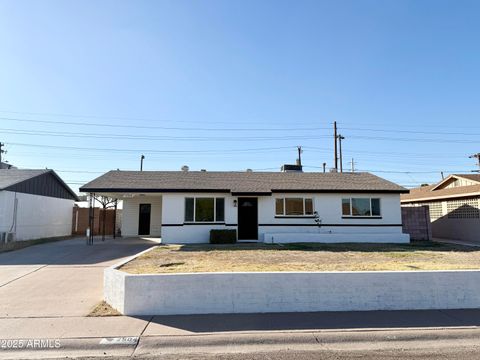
(43,182)
(238,182)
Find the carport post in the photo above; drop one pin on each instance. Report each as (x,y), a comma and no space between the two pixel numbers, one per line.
(91,218)
(115,219)
(104,218)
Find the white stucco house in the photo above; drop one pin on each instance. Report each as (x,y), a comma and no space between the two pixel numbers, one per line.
(34,204)
(183,206)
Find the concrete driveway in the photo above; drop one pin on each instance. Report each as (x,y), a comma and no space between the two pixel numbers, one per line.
(63,278)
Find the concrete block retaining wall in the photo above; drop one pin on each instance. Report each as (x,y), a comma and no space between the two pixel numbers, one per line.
(203,293)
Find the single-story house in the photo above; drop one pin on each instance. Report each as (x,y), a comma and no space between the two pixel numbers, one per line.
(34,204)
(183,206)
(454,205)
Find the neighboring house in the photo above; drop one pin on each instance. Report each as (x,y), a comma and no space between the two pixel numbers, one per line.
(4,165)
(34,204)
(454,205)
(183,206)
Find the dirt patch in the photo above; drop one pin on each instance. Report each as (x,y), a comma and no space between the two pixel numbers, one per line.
(304,257)
(103,309)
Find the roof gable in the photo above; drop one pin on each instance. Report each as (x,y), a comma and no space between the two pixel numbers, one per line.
(455,180)
(37,182)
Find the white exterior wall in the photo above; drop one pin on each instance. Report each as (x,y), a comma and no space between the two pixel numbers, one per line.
(168,213)
(257,292)
(37,216)
(334,227)
(174,215)
(130,214)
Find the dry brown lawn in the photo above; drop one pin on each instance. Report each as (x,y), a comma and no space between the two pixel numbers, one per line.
(304,257)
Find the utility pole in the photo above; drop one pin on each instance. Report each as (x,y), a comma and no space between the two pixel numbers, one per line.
(340,138)
(476,156)
(299,161)
(2,151)
(353,165)
(324,166)
(141,162)
(335,146)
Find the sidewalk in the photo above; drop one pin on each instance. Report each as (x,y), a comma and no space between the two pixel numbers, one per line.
(163,335)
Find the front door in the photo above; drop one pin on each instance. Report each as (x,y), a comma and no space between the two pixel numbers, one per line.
(247,218)
(144,219)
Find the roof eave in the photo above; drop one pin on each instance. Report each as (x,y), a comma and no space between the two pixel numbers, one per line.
(440,197)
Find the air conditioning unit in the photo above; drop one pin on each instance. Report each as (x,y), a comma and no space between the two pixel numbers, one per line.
(6,237)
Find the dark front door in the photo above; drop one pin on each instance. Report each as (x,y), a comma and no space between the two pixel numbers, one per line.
(247,219)
(144,219)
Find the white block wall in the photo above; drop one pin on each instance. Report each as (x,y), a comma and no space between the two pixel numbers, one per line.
(130,213)
(204,293)
(37,216)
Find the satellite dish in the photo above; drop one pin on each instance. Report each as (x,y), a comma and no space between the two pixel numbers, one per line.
(185,168)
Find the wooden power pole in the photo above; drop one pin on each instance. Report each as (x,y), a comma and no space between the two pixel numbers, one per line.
(335,145)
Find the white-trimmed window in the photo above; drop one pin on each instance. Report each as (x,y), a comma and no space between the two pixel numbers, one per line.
(362,207)
(204,209)
(293,206)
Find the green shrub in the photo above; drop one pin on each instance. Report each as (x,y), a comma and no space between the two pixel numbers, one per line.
(223,236)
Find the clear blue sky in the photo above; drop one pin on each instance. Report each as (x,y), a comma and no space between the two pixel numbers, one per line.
(205,83)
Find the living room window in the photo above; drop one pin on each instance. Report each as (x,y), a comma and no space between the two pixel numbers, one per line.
(361,207)
(204,209)
(293,207)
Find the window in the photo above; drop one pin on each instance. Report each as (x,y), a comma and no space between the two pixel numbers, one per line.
(294,207)
(203,209)
(362,207)
(220,209)
(189,208)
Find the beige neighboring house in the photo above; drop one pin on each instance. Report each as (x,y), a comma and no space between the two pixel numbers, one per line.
(454,205)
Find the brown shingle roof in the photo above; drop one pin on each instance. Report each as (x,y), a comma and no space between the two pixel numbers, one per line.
(474,177)
(238,182)
(425,193)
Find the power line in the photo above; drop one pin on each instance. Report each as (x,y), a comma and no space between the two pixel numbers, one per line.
(146,150)
(412,131)
(155,138)
(394,171)
(158,127)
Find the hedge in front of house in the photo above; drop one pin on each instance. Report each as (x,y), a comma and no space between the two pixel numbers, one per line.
(223,236)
